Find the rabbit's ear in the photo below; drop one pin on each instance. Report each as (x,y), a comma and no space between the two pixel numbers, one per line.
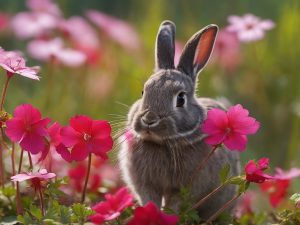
(197,51)
(165,46)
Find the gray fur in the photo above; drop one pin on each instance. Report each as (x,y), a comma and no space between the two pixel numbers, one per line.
(168,145)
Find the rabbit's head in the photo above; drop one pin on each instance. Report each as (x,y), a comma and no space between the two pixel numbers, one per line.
(168,107)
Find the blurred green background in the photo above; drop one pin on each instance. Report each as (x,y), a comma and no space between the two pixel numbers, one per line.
(267,80)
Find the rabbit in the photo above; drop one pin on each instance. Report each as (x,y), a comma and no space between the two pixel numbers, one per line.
(164,144)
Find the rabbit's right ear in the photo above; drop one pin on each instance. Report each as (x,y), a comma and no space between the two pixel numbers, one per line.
(165,46)
(197,51)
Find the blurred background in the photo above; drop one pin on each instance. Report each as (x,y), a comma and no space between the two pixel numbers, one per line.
(109,53)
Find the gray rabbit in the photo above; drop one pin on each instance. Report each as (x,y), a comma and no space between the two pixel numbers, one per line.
(165,144)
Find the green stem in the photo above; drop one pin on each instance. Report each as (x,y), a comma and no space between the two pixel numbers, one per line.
(203,163)
(4,91)
(18,197)
(30,161)
(201,201)
(227,204)
(86,178)
(41,201)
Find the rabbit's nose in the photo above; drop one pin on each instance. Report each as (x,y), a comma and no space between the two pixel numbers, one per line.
(149,119)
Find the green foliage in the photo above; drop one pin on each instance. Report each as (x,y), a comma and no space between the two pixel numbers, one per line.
(224,173)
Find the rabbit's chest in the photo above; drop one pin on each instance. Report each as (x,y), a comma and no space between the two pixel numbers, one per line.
(162,166)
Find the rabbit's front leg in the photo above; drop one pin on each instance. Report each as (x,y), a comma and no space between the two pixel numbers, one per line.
(147,194)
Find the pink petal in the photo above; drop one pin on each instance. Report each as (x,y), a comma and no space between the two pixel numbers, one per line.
(236,142)
(82,124)
(215,122)
(28,113)
(64,152)
(69,136)
(215,139)
(101,129)
(101,146)
(33,143)
(15,129)
(287,175)
(21,177)
(29,72)
(263,163)
(79,152)
(97,218)
(267,24)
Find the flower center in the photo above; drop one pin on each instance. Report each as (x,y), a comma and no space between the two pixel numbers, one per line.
(249,26)
(227,130)
(86,136)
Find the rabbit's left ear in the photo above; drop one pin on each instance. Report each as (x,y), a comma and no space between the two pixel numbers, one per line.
(197,51)
(165,46)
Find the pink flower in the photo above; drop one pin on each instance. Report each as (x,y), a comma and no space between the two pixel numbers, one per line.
(46,50)
(35,178)
(255,172)
(14,63)
(227,50)
(245,204)
(249,27)
(287,175)
(28,128)
(229,128)
(86,136)
(117,29)
(33,24)
(150,214)
(45,6)
(112,207)
(77,176)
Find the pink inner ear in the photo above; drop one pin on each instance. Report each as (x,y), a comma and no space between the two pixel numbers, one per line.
(204,47)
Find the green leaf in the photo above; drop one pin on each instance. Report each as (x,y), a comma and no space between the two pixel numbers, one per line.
(238,180)
(36,212)
(224,173)
(9,191)
(81,212)
(243,187)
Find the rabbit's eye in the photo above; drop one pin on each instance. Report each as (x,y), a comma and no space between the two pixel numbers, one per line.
(180,99)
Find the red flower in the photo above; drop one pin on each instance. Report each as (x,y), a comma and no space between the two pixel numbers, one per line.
(150,214)
(254,172)
(28,128)
(229,127)
(77,176)
(86,136)
(113,206)
(276,190)
(36,178)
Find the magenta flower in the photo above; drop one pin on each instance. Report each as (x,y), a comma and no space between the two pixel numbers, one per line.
(119,30)
(4,21)
(112,207)
(46,50)
(14,63)
(28,128)
(255,171)
(229,128)
(150,214)
(35,178)
(227,50)
(249,27)
(86,136)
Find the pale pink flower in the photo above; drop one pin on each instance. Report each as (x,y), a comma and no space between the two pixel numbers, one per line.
(46,6)
(119,30)
(287,175)
(229,128)
(36,178)
(32,24)
(249,27)
(80,31)
(46,50)
(14,63)
(227,50)
(245,204)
